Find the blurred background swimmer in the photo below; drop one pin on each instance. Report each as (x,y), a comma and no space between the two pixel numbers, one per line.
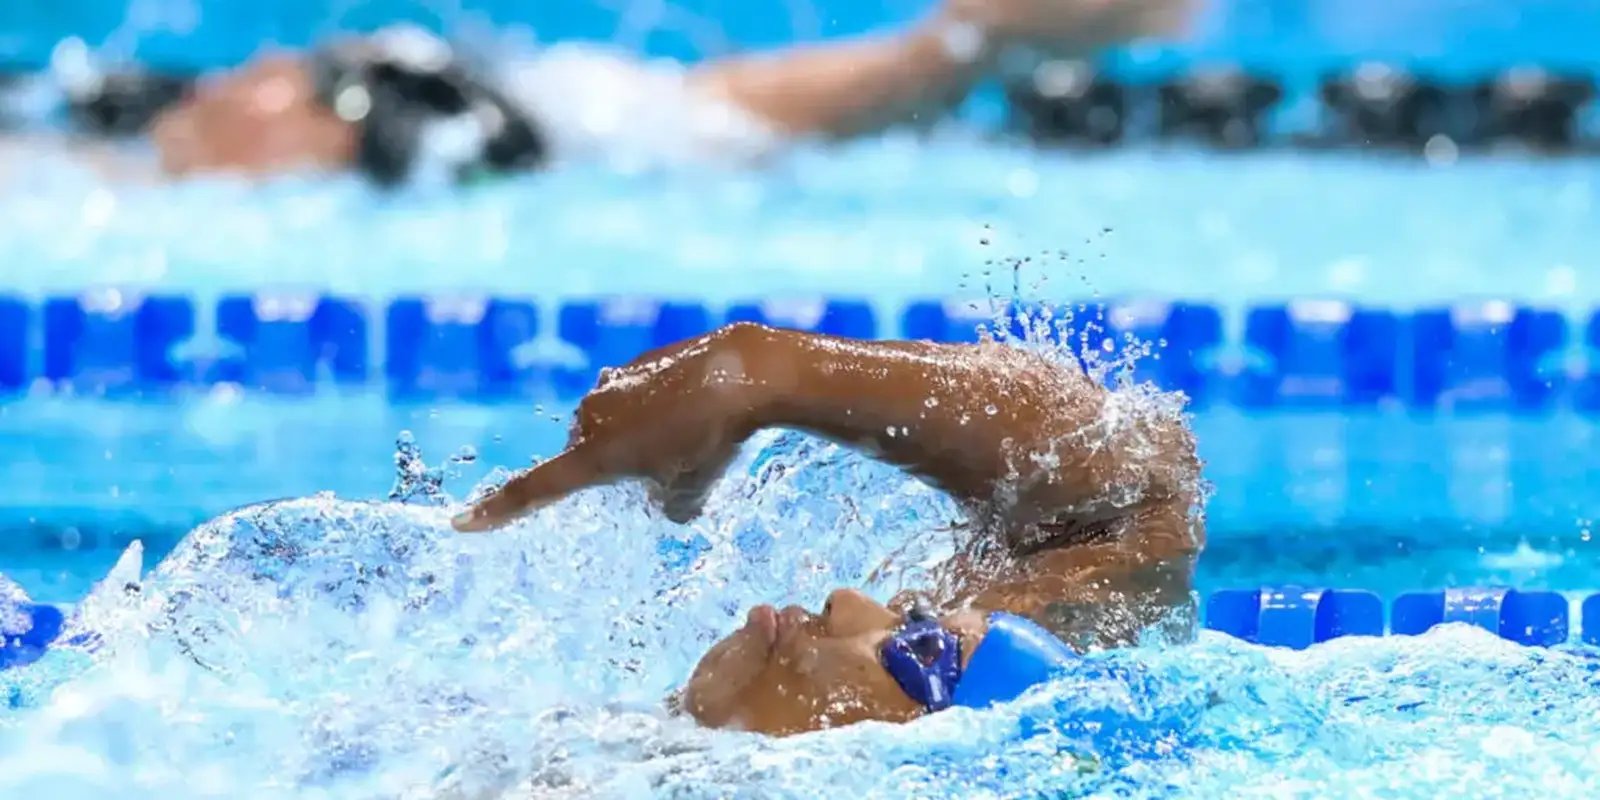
(402,105)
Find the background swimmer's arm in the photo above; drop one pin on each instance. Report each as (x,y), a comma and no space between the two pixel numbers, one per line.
(984,423)
(847,88)
(857,86)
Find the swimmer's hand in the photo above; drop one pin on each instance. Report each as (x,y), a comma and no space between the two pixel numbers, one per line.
(674,418)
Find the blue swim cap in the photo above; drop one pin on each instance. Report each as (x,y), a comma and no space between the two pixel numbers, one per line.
(1014,656)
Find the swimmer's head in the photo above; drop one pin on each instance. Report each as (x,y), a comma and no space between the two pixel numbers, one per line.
(790,671)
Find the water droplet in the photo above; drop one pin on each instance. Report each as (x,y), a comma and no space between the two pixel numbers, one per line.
(991,409)
(932,402)
(890,430)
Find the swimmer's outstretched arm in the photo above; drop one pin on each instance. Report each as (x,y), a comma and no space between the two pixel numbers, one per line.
(847,88)
(992,425)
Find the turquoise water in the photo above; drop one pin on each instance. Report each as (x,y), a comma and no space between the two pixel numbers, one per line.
(335,648)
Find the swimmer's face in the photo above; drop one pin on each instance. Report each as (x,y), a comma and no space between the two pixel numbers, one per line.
(263,118)
(792,671)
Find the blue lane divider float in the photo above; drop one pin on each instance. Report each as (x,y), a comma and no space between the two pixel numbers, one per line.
(28,631)
(1304,354)
(946,320)
(467,346)
(115,342)
(14,344)
(1192,334)
(287,340)
(1285,616)
(1319,353)
(1590,611)
(1588,393)
(1530,618)
(1298,617)
(1488,355)
(1294,617)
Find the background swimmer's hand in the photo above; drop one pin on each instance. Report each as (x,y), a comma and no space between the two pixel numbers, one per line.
(674,417)
(1073,27)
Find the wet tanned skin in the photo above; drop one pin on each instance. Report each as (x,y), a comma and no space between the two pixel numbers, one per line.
(1084,506)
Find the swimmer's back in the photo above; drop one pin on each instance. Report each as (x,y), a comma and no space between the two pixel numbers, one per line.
(594,102)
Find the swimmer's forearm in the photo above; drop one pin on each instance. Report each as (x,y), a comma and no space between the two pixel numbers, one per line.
(853,87)
(933,409)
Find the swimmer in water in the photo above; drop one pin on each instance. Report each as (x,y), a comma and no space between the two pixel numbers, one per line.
(1085,513)
(402,105)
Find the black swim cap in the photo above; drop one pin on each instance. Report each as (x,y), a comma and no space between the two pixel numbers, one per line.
(402,87)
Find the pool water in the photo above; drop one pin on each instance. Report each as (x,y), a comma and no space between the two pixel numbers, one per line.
(343,648)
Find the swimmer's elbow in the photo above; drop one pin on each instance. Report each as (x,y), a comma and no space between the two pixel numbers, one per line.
(1179,476)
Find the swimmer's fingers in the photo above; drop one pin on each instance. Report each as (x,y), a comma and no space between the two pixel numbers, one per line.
(539,486)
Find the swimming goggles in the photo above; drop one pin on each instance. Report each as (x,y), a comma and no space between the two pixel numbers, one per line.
(1015,655)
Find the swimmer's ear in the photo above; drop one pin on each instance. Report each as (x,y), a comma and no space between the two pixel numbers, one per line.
(539,486)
